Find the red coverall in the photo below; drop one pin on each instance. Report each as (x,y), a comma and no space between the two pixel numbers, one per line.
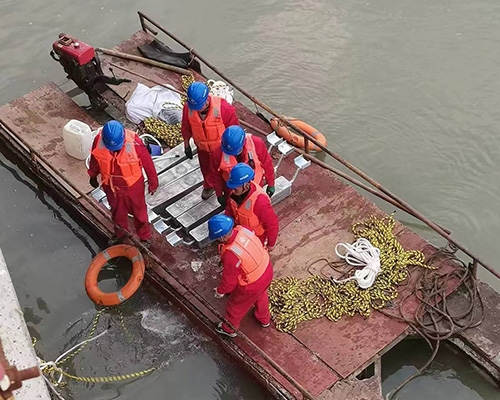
(262,154)
(129,200)
(242,298)
(264,211)
(228,115)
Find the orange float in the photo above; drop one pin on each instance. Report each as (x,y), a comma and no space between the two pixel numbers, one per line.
(295,139)
(99,261)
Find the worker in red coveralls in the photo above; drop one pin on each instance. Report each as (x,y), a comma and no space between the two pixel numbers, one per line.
(237,146)
(204,118)
(119,155)
(250,206)
(246,275)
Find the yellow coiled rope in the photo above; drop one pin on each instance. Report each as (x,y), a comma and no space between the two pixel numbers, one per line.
(170,134)
(293,301)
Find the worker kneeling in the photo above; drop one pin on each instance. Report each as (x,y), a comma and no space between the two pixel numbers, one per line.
(238,146)
(250,206)
(119,155)
(246,275)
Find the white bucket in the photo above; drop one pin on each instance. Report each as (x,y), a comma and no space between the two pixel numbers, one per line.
(78,138)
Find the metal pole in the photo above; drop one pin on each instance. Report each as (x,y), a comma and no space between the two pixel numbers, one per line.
(347,164)
(148,79)
(342,175)
(143,60)
(202,300)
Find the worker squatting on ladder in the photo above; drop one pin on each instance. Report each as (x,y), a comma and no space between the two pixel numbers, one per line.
(246,275)
(250,206)
(238,146)
(204,118)
(119,156)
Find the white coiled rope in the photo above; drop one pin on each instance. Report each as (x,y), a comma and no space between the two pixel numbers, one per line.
(221,89)
(360,254)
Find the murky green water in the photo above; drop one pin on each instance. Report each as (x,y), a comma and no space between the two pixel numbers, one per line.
(407,91)
(48,255)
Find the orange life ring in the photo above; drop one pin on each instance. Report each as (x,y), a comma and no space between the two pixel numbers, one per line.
(295,139)
(116,298)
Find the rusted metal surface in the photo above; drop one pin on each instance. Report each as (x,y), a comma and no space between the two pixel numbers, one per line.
(351,389)
(11,378)
(319,214)
(485,339)
(348,344)
(308,368)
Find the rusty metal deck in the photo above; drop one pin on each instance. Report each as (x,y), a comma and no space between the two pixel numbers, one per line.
(319,214)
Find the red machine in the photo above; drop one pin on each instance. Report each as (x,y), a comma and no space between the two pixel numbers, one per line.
(83,66)
(82,53)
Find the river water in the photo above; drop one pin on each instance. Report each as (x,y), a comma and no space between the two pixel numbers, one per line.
(407,91)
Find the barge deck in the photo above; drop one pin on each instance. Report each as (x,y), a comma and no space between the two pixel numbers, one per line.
(321,359)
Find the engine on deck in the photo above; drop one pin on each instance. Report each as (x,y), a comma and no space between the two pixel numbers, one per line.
(82,65)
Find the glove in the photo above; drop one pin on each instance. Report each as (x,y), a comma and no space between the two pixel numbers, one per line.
(188,151)
(93,182)
(217,295)
(151,192)
(222,200)
(270,191)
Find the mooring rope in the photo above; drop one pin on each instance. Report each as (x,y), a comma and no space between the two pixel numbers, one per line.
(54,371)
(293,300)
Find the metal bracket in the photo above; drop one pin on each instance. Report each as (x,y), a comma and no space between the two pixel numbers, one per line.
(301,163)
(283,190)
(98,194)
(106,203)
(175,240)
(160,226)
(274,140)
(285,149)
(152,216)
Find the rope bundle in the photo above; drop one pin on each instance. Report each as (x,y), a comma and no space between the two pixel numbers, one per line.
(293,301)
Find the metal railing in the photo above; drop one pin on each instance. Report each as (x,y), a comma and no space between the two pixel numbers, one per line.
(381,191)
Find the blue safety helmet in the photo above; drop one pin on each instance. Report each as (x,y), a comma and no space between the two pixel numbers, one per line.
(197,95)
(233,140)
(113,135)
(219,225)
(241,173)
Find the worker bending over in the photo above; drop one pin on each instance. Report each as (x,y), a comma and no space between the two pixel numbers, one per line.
(119,156)
(237,146)
(204,118)
(246,275)
(250,206)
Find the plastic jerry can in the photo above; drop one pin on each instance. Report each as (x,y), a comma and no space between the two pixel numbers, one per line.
(78,138)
